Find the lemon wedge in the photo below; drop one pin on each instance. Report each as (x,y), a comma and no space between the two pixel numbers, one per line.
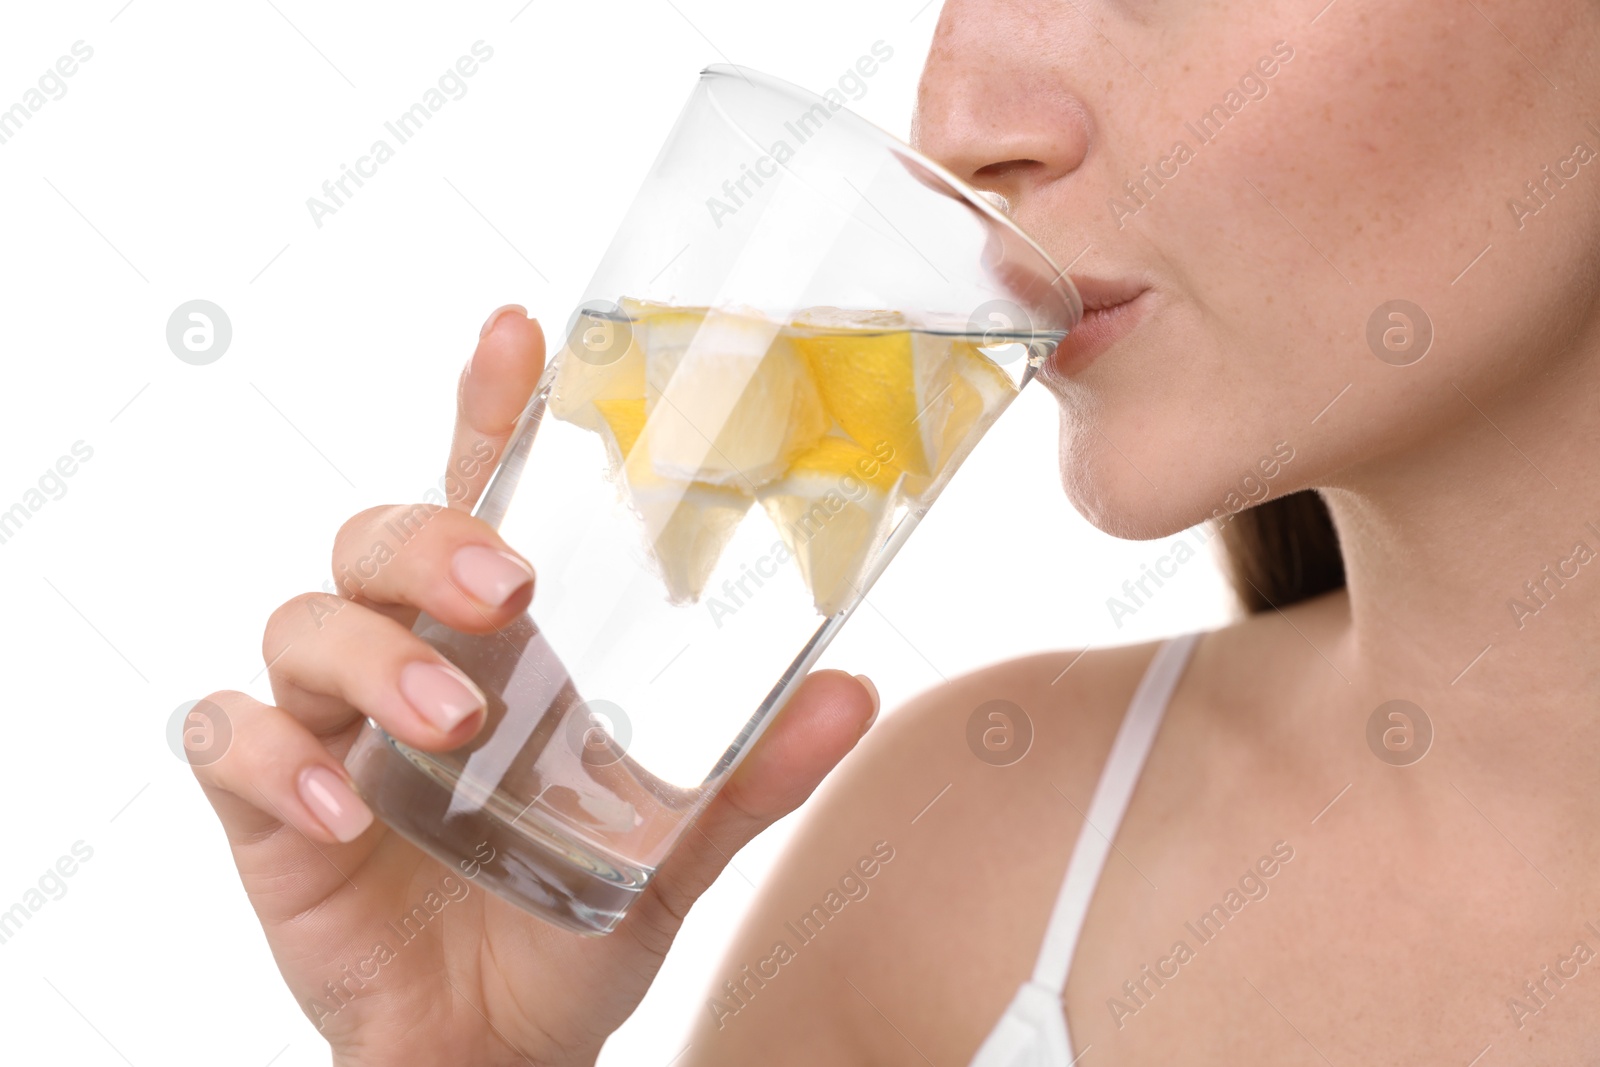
(979,392)
(833,422)
(623,423)
(833,510)
(924,395)
(687,524)
(730,401)
(590,369)
(882,383)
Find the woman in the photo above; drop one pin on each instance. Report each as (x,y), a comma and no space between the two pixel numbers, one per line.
(1243,190)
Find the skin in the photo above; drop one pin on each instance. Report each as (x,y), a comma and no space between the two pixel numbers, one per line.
(1419,899)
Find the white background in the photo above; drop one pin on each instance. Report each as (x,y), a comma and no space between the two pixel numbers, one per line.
(177,166)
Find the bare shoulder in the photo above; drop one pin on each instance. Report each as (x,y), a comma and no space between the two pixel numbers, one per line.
(923,873)
(915,893)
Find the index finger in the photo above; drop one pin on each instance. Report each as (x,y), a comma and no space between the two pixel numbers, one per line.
(495,387)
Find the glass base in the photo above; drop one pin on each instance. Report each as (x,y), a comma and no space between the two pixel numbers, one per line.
(518,855)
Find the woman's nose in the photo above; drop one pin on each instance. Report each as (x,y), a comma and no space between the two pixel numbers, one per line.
(996,105)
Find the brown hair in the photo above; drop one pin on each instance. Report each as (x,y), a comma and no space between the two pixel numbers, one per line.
(1283,551)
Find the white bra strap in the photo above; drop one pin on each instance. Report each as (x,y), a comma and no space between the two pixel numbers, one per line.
(1111,796)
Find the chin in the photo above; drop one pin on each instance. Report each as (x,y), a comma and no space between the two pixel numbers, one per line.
(1171,485)
(1104,489)
(1143,464)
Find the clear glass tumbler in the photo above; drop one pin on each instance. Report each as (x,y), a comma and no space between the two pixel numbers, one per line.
(800,330)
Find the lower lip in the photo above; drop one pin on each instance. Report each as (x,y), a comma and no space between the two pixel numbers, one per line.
(1099,330)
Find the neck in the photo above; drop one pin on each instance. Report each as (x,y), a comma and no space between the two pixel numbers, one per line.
(1473,562)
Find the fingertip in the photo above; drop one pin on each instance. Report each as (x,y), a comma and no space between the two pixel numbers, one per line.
(836,703)
(818,727)
(496,315)
(872,695)
(496,579)
(449,702)
(333,802)
(503,371)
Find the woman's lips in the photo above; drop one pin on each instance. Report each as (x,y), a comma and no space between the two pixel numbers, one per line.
(1110,310)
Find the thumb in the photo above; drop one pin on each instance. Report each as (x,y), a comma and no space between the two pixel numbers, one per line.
(822,722)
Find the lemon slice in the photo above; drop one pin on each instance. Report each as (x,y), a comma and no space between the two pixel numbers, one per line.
(594,371)
(979,392)
(833,510)
(730,401)
(984,392)
(687,524)
(623,423)
(884,384)
(832,422)
(589,368)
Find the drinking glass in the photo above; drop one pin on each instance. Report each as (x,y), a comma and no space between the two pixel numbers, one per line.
(799,331)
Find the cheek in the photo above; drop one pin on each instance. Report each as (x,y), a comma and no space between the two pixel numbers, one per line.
(1376,169)
(1385,154)
(1401,132)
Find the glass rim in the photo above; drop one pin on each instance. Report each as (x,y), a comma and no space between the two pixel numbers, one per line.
(1061,283)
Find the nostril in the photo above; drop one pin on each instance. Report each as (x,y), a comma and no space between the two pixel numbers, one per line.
(1002,183)
(1004,169)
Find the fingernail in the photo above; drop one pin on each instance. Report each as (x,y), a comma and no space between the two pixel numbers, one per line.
(494,317)
(442,695)
(872,691)
(334,803)
(490,576)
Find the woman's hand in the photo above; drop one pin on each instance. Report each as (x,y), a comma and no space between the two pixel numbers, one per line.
(482,982)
